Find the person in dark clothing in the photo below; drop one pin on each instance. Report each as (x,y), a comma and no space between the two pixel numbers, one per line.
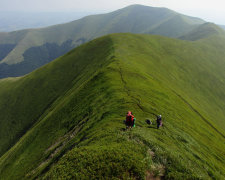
(130,120)
(159,121)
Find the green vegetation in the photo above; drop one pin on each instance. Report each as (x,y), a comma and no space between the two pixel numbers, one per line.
(53,81)
(203,31)
(133,19)
(74,108)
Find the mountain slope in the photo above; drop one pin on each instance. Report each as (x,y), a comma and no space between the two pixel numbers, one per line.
(222,26)
(204,31)
(78,132)
(36,47)
(24,115)
(175,26)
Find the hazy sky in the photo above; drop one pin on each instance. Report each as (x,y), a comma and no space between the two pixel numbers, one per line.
(209,10)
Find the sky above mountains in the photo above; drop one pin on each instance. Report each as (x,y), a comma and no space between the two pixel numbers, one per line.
(212,11)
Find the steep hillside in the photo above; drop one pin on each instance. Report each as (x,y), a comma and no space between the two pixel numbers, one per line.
(51,82)
(27,50)
(70,112)
(204,31)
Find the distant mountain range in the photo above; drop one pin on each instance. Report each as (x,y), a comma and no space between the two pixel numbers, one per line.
(14,21)
(25,50)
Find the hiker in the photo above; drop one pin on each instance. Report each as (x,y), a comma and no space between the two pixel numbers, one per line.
(159,121)
(130,120)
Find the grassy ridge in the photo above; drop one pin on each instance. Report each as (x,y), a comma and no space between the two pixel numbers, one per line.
(21,96)
(81,133)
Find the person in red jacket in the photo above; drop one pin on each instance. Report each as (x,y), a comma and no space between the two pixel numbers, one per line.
(130,120)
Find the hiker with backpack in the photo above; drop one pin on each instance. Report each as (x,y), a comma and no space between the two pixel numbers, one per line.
(159,121)
(130,120)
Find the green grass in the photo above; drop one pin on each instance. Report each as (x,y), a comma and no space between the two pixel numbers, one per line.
(78,129)
(18,96)
(203,31)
